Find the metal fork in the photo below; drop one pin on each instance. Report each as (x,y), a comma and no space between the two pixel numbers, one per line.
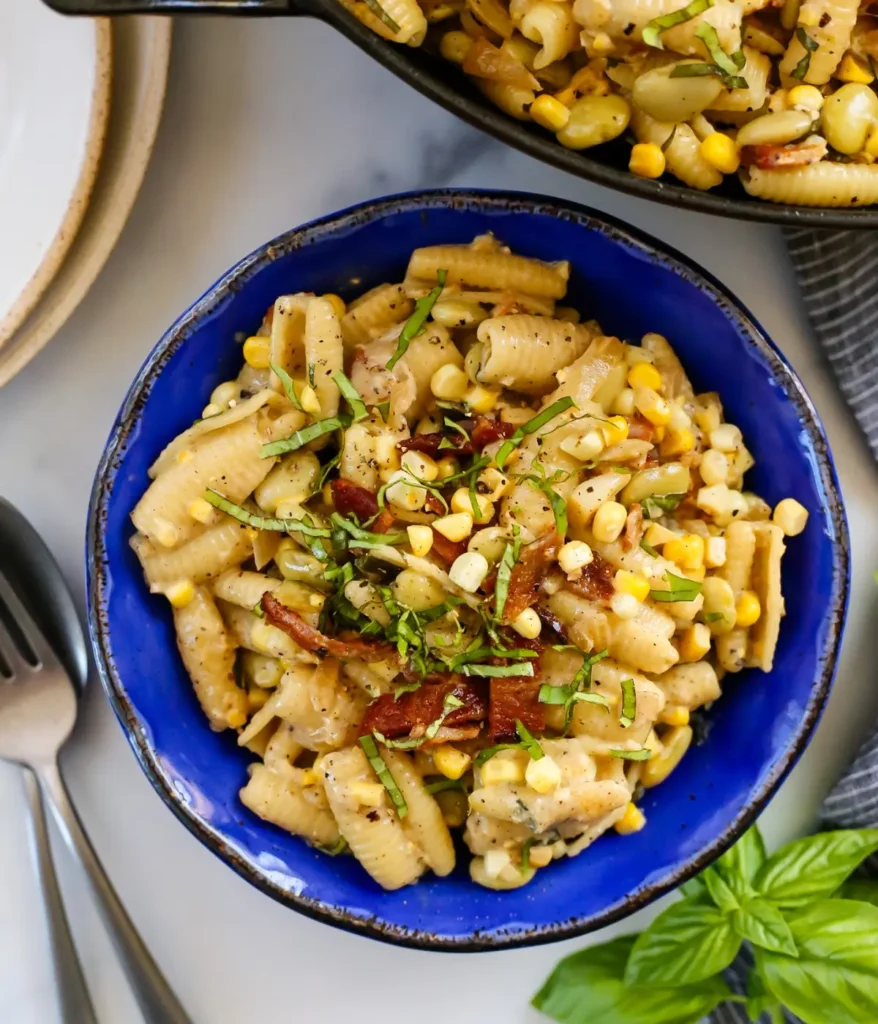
(38,705)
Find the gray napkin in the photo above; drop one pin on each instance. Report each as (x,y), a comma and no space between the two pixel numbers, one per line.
(838,277)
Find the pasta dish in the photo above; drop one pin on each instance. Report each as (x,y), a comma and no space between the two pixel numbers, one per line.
(778,92)
(450,557)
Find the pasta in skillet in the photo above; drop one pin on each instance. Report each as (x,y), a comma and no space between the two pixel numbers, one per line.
(780,93)
(442,561)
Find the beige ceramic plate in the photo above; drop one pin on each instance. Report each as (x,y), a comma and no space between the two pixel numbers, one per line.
(142,49)
(55,76)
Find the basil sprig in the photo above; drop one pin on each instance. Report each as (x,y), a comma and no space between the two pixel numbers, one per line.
(415,323)
(679,589)
(814,948)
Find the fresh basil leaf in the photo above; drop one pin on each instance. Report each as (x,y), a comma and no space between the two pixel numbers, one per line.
(643,754)
(679,589)
(864,890)
(415,323)
(532,425)
(741,863)
(719,891)
(760,1000)
(687,943)
(304,436)
(648,548)
(835,979)
(629,703)
(695,889)
(504,577)
(652,30)
(761,923)
(353,397)
(589,988)
(814,867)
(520,668)
(379,766)
(287,384)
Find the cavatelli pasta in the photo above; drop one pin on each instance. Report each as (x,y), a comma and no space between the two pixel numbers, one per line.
(375,620)
(820,184)
(755,73)
(550,24)
(287,346)
(683,153)
(829,24)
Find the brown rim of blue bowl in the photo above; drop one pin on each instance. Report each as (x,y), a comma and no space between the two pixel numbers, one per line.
(308,234)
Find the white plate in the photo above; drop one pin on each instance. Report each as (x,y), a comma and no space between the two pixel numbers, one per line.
(141,48)
(54,103)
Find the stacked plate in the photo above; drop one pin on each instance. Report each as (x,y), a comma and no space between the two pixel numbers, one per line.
(80,104)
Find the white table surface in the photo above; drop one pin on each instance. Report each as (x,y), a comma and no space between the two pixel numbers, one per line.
(269,124)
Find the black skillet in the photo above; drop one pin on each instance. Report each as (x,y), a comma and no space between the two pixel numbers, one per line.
(449,87)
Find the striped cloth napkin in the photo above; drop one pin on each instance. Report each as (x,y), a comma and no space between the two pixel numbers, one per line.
(837,272)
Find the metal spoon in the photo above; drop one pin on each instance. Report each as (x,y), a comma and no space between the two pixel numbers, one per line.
(42,653)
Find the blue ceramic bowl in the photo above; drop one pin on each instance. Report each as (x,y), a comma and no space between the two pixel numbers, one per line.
(632,284)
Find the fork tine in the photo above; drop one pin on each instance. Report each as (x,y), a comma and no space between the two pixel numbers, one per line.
(12,663)
(28,628)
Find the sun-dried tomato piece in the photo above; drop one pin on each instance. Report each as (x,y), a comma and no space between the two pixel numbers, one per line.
(446,549)
(418,708)
(429,444)
(311,639)
(515,698)
(596,581)
(528,573)
(487,430)
(633,527)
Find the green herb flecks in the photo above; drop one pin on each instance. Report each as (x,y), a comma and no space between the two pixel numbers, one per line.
(415,323)
(649,549)
(532,425)
(379,766)
(653,30)
(287,384)
(263,522)
(728,64)
(811,46)
(629,703)
(304,436)
(643,754)
(360,538)
(443,785)
(577,690)
(656,505)
(522,668)
(527,741)
(679,589)
(350,394)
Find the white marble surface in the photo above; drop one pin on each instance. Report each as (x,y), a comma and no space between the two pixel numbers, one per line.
(269,124)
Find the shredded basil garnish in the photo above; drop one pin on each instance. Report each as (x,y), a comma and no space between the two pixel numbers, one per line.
(361,538)
(652,31)
(522,668)
(649,549)
(288,385)
(576,691)
(263,522)
(713,616)
(666,145)
(379,766)
(441,785)
(729,65)
(380,13)
(326,470)
(679,589)
(504,576)
(415,323)
(340,847)
(351,396)
(656,505)
(304,436)
(629,703)
(410,743)
(556,502)
(644,754)
(525,855)
(811,45)
(540,420)
(527,741)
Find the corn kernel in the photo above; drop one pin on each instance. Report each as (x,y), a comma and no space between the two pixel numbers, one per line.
(644,375)
(549,113)
(615,430)
(469,570)
(544,775)
(462,501)
(680,419)
(457,526)
(790,516)
(481,400)
(405,495)
(574,556)
(747,610)
(165,532)
(449,383)
(584,447)
(235,718)
(186,455)
(608,522)
(675,743)
(626,606)
(656,535)
(310,401)
(419,465)
(720,152)
(454,46)
(446,467)
(631,821)
(652,406)
(601,45)
(713,500)
(695,642)
(211,410)
(200,510)
(635,354)
(257,352)
(853,70)
(807,18)
(337,303)
(714,467)
(715,552)
(367,794)
(687,551)
(674,714)
(495,862)
(420,538)
(676,442)
(180,593)
(540,856)
(623,404)
(492,484)
(499,770)
(631,583)
(647,160)
(451,762)
(309,777)
(805,97)
(726,438)
(528,624)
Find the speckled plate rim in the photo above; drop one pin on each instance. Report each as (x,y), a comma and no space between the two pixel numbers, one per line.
(68,229)
(509,202)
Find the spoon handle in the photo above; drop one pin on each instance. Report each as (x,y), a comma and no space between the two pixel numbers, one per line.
(157,1002)
(76,1006)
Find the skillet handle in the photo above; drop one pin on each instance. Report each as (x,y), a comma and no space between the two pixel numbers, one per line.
(95,8)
